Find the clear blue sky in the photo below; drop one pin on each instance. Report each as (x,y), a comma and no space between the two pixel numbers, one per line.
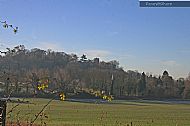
(143,39)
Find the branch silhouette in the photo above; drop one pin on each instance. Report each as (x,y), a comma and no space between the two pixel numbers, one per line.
(6,25)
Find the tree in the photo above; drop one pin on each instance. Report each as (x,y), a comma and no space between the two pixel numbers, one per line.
(180,83)
(168,84)
(142,84)
(83,58)
(187,89)
(165,73)
(186,93)
(115,64)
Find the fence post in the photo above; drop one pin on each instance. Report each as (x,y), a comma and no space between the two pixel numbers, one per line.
(3,105)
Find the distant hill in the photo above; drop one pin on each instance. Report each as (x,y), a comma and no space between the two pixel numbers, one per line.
(21,69)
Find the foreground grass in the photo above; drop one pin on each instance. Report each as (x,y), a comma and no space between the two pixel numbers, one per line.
(63,113)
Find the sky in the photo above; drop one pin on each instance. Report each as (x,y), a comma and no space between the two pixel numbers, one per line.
(144,39)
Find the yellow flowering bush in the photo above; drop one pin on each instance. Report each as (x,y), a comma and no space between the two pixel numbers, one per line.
(110,98)
(62,96)
(97,93)
(103,95)
(42,84)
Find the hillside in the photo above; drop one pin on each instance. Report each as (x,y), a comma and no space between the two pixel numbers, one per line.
(21,69)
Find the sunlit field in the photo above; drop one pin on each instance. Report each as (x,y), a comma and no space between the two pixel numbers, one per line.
(118,113)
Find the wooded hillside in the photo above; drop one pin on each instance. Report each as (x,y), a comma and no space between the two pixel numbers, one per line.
(21,69)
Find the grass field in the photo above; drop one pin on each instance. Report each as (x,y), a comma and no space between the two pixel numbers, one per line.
(63,113)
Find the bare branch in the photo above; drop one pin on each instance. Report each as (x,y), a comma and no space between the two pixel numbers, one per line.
(6,25)
(38,114)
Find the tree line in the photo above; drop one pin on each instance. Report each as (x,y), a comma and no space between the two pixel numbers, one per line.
(21,69)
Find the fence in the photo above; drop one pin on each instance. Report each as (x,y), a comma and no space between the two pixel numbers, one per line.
(2,112)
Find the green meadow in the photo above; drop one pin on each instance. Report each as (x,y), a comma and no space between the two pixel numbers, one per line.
(117,113)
